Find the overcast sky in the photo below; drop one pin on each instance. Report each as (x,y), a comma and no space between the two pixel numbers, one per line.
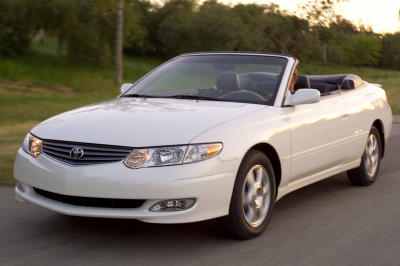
(381,15)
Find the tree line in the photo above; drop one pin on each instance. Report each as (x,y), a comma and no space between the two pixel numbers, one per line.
(85,29)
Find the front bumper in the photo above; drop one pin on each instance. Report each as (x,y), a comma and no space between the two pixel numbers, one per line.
(209,182)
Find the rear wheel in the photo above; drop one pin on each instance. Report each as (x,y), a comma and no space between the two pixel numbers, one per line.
(252,199)
(368,170)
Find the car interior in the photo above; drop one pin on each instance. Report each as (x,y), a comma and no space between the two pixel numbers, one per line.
(252,87)
(261,86)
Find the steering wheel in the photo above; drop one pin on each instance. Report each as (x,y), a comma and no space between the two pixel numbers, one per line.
(243,95)
(263,92)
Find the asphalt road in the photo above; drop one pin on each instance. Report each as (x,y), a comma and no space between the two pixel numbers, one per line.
(327,223)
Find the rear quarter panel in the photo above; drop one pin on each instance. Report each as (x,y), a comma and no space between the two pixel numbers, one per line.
(365,105)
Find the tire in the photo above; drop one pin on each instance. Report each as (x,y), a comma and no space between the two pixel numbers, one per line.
(368,170)
(252,199)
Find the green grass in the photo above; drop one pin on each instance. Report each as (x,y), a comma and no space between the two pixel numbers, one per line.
(55,73)
(43,84)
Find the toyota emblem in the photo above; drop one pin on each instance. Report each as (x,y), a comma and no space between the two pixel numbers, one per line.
(76,153)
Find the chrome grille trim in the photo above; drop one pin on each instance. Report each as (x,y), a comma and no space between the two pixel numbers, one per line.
(93,153)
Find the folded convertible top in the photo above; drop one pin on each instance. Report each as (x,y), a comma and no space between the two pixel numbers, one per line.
(328,83)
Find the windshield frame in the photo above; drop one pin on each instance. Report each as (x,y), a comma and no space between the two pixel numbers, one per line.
(281,84)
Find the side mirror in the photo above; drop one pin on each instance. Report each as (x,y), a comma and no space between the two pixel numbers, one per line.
(303,96)
(125,87)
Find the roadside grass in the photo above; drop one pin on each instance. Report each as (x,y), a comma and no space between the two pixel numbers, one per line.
(51,72)
(43,84)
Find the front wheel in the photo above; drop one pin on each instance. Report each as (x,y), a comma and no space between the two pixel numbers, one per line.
(368,170)
(252,198)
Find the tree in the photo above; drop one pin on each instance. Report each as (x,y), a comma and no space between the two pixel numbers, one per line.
(362,49)
(96,32)
(174,28)
(320,12)
(391,51)
(138,25)
(218,29)
(20,21)
(119,43)
(87,29)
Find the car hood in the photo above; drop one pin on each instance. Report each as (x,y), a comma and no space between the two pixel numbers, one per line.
(139,122)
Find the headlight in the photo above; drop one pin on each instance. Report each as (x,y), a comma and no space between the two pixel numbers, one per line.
(155,157)
(32,145)
(173,155)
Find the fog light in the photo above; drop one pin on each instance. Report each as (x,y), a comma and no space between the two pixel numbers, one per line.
(20,187)
(173,205)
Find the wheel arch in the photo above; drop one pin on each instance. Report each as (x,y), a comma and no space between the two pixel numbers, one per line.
(273,156)
(379,125)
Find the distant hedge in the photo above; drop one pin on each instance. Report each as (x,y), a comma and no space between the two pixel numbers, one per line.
(86,28)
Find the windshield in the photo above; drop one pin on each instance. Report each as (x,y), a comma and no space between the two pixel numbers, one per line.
(237,78)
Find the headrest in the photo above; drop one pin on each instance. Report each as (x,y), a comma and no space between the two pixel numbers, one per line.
(227,82)
(347,84)
(303,82)
(350,81)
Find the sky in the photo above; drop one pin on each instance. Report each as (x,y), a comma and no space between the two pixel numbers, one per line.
(382,15)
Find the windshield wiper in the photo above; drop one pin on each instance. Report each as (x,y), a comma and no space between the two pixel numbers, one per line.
(178,96)
(135,95)
(192,97)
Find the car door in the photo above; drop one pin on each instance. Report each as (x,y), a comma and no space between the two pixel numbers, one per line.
(318,139)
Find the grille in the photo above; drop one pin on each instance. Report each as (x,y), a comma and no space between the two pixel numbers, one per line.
(92,153)
(91,202)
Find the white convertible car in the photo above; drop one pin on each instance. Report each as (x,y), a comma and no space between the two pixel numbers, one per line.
(206,135)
